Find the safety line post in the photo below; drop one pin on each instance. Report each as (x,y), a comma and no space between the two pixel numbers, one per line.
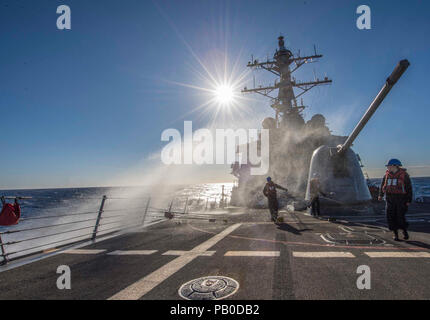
(146,211)
(186,205)
(222,197)
(169,214)
(96,227)
(3,252)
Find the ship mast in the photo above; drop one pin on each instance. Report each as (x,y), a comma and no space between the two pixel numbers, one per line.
(285,104)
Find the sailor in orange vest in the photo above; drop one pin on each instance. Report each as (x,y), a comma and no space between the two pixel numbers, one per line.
(397,188)
(270,192)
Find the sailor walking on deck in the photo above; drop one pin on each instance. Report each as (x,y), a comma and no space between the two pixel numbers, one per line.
(270,192)
(397,187)
(315,192)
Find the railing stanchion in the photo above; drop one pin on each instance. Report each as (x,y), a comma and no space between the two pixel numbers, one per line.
(96,227)
(3,252)
(168,214)
(222,197)
(146,211)
(186,205)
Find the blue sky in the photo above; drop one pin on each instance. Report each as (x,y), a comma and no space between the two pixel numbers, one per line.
(82,106)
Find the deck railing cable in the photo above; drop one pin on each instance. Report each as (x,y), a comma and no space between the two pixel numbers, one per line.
(100,224)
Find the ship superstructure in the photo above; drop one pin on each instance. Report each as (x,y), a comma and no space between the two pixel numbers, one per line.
(292,139)
(283,65)
(299,150)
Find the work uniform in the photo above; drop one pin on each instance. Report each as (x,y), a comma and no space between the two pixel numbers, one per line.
(397,188)
(315,191)
(270,192)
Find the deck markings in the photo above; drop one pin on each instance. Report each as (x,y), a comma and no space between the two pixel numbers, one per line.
(84,251)
(182,253)
(252,254)
(149,282)
(398,254)
(132,252)
(50,250)
(346,229)
(323,254)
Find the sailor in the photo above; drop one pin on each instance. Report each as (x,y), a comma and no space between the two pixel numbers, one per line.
(315,191)
(397,187)
(270,192)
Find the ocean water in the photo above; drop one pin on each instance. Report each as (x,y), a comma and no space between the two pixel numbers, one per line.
(54,217)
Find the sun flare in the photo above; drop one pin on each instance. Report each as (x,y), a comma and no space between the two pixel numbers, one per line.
(224,95)
(219,84)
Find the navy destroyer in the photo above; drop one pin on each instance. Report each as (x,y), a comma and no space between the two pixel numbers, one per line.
(299,148)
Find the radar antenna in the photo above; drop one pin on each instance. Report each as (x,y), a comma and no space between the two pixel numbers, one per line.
(285,103)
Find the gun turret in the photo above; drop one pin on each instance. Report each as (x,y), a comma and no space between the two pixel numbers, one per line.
(390,82)
(339,167)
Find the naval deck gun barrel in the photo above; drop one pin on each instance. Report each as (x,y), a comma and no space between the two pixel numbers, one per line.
(390,82)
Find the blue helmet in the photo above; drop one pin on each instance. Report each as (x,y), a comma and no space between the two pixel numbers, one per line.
(394,162)
(269,179)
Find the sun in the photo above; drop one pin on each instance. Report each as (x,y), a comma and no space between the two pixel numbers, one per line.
(219,84)
(224,95)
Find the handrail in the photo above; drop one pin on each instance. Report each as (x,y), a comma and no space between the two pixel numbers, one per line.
(15,197)
(100,223)
(59,216)
(47,244)
(45,227)
(48,235)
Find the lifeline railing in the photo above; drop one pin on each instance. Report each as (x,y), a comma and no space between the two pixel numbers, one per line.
(104,222)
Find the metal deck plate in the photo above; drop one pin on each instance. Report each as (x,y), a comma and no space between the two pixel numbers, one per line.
(209,288)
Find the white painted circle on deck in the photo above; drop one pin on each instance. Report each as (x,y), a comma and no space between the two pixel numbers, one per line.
(209,288)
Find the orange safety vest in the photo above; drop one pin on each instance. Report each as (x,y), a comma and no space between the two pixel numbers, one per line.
(395,182)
